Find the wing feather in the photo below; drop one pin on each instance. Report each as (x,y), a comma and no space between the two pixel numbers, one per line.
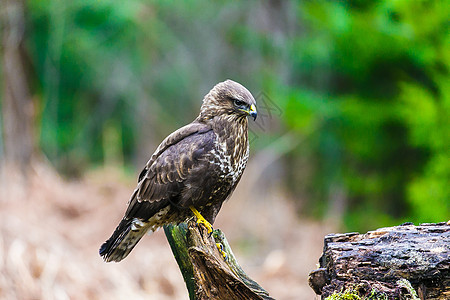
(168,168)
(161,183)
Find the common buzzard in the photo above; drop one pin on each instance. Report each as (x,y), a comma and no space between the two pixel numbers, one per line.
(193,171)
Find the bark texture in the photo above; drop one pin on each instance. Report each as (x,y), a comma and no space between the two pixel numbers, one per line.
(381,263)
(206,273)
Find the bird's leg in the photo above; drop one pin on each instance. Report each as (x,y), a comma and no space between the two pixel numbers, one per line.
(202,220)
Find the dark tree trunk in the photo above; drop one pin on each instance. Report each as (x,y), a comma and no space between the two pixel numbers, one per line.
(17,106)
(206,273)
(401,262)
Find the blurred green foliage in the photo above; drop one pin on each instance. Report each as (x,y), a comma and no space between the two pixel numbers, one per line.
(362,84)
(383,106)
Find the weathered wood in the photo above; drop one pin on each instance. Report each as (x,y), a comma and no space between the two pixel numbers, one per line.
(382,263)
(206,273)
(176,235)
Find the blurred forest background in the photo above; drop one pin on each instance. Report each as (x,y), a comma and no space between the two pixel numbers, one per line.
(353,96)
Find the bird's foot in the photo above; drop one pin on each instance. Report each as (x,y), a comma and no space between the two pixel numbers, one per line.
(221,250)
(202,220)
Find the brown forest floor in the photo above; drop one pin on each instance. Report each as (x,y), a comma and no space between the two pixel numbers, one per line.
(50,234)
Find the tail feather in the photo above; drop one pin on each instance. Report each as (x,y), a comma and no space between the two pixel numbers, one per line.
(123,240)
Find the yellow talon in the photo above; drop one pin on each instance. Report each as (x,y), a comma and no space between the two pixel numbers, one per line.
(220,247)
(202,220)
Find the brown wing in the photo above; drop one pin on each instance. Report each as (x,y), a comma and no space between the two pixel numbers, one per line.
(161,183)
(164,176)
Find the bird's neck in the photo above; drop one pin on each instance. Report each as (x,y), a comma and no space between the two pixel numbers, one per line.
(229,125)
(231,135)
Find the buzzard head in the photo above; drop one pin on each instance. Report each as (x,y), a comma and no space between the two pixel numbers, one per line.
(228,99)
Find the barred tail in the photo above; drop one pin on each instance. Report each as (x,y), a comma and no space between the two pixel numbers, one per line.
(123,240)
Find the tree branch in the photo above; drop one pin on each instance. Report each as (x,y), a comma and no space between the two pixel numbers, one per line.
(206,273)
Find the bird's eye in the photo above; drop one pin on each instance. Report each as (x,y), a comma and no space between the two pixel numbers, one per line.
(239,102)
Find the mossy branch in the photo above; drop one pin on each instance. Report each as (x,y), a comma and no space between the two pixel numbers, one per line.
(206,273)
(400,262)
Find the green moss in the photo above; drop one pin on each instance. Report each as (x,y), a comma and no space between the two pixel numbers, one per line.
(404,283)
(349,294)
(375,295)
(352,294)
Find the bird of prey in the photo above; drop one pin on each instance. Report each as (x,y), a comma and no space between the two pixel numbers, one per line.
(192,172)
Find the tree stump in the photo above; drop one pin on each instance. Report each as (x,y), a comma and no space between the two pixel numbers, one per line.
(208,275)
(401,262)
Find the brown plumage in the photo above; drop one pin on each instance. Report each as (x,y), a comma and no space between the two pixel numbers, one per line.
(198,166)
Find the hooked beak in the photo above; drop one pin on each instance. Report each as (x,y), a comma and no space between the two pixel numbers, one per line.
(252,112)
